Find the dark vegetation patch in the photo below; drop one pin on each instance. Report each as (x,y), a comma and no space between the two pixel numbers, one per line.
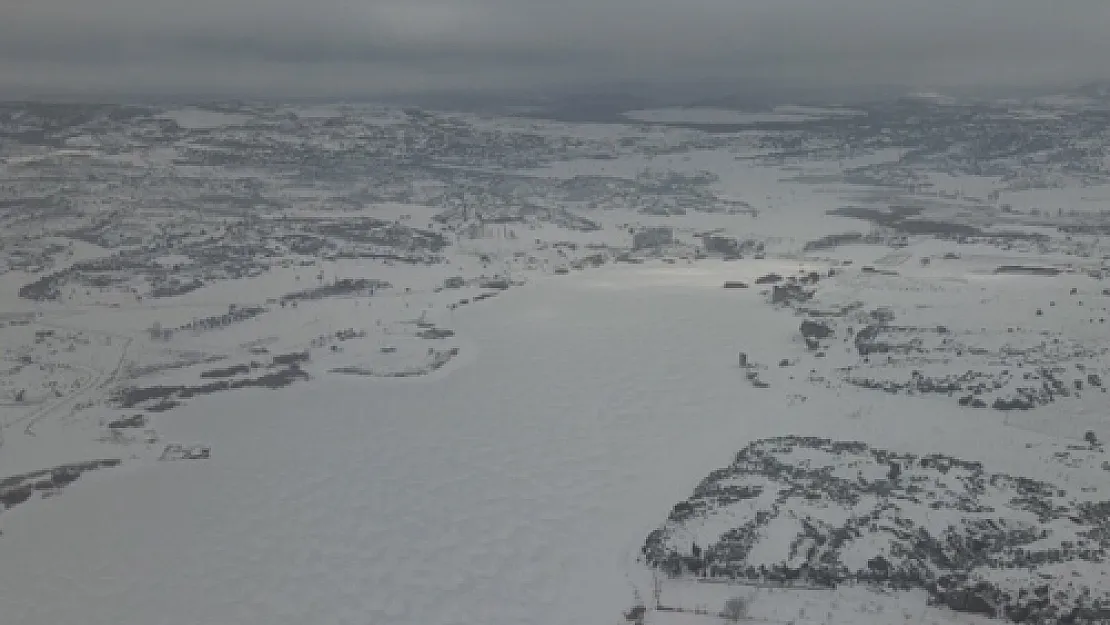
(128,422)
(133,396)
(226,372)
(1017,380)
(17,489)
(341,287)
(234,314)
(292,358)
(437,360)
(843,496)
(1027,270)
(906,220)
(175,288)
(832,241)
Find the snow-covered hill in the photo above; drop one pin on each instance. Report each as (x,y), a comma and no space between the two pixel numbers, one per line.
(800,510)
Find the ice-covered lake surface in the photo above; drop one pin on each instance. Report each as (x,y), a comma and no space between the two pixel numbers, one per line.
(515,488)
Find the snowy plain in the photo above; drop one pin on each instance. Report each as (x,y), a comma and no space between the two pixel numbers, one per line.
(496,451)
(513,489)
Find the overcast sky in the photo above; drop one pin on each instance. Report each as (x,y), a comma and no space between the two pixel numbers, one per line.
(347,47)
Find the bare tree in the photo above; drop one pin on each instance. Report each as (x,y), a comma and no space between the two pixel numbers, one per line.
(1091,438)
(735,609)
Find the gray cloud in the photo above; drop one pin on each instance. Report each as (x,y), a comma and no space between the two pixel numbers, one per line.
(350,47)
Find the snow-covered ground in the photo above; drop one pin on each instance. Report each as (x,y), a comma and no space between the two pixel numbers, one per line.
(515,488)
(353,364)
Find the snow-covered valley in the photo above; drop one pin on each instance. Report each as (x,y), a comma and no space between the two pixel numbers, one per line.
(367,365)
(513,489)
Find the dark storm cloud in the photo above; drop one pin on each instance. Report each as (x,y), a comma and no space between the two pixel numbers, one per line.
(301,47)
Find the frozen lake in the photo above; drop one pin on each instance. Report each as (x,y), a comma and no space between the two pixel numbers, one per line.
(514,488)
